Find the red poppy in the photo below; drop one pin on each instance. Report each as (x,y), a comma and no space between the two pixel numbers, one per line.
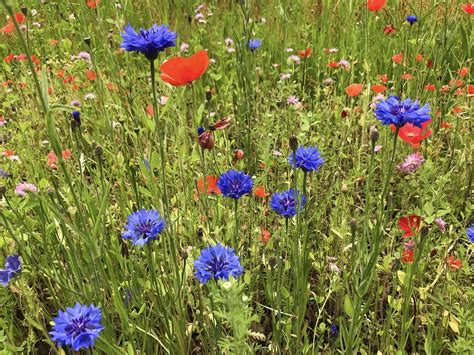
(91,75)
(470,89)
(35,60)
(9,58)
(149,110)
(463,72)
(419,57)
(21,57)
(413,134)
(468,8)
(429,63)
(430,87)
(264,236)
(389,29)
(446,125)
(260,192)
(397,58)
(333,64)
(407,76)
(305,53)
(93,3)
(375,5)
(457,109)
(354,89)
(383,78)
(211,182)
(54,42)
(20,18)
(407,255)
(181,71)
(409,224)
(378,89)
(454,264)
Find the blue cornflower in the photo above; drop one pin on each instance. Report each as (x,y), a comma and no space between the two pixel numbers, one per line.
(235,184)
(307,158)
(143,226)
(77,327)
(470,233)
(4,173)
(398,113)
(12,266)
(200,130)
(254,43)
(411,19)
(148,42)
(334,329)
(217,262)
(285,203)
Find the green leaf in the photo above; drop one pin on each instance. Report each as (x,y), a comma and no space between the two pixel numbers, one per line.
(348,307)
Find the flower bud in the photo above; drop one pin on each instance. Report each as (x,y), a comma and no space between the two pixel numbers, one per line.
(272,262)
(353,225)
(206,140)
(238,154)
(87,40)
(374,134)
(293,142)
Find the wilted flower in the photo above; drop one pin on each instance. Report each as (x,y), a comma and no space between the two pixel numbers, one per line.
(77,327)
(217,262)
(143,226)
(411,163)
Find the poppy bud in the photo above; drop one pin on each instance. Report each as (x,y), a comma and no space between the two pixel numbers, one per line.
(183,253)
(206,140)
(353,225)
(222,123)
(293,142)
(374,134)
(272,262)
(98,151)
(238,154)
(87,41)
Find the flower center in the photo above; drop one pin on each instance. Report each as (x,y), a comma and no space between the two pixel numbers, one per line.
(144,228)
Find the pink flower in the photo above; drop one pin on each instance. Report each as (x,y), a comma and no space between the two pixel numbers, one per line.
(284,76)
(377,148)
(184,47)
(163,100)
(292,100)
(23,187)
(294,58)
(411,163)
(441,224)
(344,63)
(229,42)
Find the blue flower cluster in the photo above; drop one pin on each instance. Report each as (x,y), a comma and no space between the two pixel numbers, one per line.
(235,184)
(396,112)
(254,43)
(12,266)
(307,158)
(143,226)
(286,203)
(77,327)
(217,262)
(148,41)
(470,233)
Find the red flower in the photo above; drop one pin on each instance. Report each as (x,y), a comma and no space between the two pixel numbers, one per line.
(91,75)
(354,89)
(430,87)
(264,236)
(378,89)
(389,29)
(446,125)
(211,182)
(409,224)
(9,58)
(412,134)
(20,18)
(93,3)
(332,64)
(54,42)
(468,8)
(463,72)
(397,58)
(305,53)
(383,78)
(419,57)
(375,5)
(470,89)
(181,71)
(429,63)
(21,57)
(454,264)
(407,255)
(260,192)
(407,76)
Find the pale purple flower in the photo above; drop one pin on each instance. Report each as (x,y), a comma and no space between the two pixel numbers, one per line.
(294,58)
(229,42)
(284,76)
(200,7)
(23,187)
(163,100)
(411,163)
(184,47)
(377,148)
(441,224)
(76,103)
(409,244)
(292,100)
(289,50)
(90,96)
(84,55)
(230,49)
(328,81)
(199,16)
(344,63)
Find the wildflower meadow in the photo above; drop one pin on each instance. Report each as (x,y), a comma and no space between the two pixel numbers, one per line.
(236,177)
